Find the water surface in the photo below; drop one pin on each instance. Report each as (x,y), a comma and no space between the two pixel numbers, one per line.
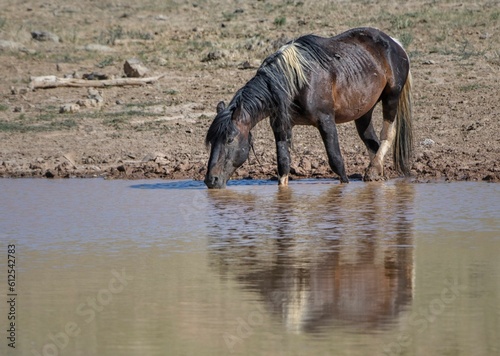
(170,268)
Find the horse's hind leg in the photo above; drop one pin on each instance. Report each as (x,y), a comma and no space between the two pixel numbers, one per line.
(283,140)
(328,130)
(375,170)
(367,133)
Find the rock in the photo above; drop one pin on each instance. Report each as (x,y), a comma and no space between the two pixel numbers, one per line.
(133,68)
(44,36)
(95,99)
(305,164)
(298,171)
(14,46)
(162,62)
(245,65)
(149,157)
(87,103)
(95,76)
(69,108)
(93,47)
(162,161)
(213,56)
(95,96)
(427,142)
(49,174)
(419,167)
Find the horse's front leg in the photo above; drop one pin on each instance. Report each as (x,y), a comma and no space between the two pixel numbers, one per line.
(283,142)
(328,130)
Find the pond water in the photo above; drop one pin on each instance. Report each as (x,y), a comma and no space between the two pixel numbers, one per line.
(318,268)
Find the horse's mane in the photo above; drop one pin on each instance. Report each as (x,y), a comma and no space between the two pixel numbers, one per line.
(220,127)
(272,90)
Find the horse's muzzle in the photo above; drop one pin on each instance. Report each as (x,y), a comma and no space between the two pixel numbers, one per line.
(214,182)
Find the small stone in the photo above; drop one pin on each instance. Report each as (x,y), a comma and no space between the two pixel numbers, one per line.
(95,96)
(149,157)
(245,65)
(133,68)
(44,36)
(87,103)
(213,56)
(95,76)
(427,142)
(92,47)
(69,108)
(18,109)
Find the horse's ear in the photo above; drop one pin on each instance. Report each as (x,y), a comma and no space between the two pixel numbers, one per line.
(220,106)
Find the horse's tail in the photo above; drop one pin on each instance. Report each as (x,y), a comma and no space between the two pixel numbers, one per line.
(403,142)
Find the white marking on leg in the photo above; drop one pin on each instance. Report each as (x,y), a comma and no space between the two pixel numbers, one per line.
(283,180)
(387,137)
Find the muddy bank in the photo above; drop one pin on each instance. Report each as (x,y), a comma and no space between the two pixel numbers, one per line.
(202,54)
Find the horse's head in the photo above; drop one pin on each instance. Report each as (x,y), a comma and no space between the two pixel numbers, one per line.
(230,140)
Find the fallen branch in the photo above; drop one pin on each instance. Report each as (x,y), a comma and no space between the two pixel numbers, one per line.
(51,81)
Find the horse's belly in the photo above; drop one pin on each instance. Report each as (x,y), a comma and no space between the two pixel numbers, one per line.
(356,94)
(349,105)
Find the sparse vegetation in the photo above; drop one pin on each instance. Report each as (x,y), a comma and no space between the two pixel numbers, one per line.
(106,62)
(23,125)
(111,35)
(470,87)
(280,21)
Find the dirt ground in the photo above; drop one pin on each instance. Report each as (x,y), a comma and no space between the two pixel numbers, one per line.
(209,49)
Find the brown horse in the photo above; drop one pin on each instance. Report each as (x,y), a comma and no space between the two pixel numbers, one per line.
(321,82)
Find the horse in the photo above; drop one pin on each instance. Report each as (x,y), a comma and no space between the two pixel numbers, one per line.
(323,82)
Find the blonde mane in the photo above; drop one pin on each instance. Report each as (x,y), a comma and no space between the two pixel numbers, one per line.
(292,63)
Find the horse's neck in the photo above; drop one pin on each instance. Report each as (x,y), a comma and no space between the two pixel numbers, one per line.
(252,113)
(255,101)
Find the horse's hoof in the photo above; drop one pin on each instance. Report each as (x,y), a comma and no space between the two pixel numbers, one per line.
(367,178)
(283,181)
(373,175)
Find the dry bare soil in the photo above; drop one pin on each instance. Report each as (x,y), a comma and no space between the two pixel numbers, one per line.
(209,49)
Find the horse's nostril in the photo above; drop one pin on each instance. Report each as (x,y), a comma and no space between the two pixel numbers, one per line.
(211,181)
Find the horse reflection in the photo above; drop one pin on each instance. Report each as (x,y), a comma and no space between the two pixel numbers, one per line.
(343,257)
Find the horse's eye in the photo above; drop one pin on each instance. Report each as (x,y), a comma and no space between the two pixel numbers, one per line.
(230,139)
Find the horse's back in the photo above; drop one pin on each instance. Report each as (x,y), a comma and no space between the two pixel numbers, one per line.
(374,46)
(365,63)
